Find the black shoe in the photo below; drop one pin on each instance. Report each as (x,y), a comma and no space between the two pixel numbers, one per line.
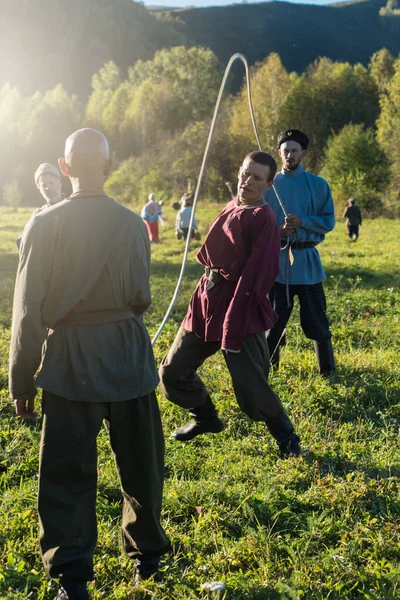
(147,569)
(290,447)
(191,430)
(73,591)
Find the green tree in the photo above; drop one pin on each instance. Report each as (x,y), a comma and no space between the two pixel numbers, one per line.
(153,111)
(388,125)
(104,84)
(160,97)
(124,183)
(325,98)
(355,165)
(270,86)
(381,67)
(392,8)
(192,74)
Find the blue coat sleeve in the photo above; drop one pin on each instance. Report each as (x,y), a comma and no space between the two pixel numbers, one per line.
(324,220)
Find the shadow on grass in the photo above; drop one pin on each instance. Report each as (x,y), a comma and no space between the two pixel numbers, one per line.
(370,278)
(167,269)
(341,466)
(379,394)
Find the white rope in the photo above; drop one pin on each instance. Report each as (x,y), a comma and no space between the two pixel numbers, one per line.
(235,57)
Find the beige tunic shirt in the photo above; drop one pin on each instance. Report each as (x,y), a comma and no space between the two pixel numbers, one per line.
(83,255)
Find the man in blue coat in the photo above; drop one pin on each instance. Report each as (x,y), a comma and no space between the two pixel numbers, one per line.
(310,215)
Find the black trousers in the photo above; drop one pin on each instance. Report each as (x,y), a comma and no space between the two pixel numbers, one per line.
(185,232)
(313,319)
(249,369)
(68,480)
(353,231)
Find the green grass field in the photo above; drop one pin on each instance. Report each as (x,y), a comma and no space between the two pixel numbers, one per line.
(323,527)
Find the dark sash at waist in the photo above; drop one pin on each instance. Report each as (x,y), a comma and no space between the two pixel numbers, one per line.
(96,317)
(213,275)
(299,245)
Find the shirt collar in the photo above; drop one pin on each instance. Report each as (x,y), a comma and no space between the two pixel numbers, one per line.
(293,174)
(259,202)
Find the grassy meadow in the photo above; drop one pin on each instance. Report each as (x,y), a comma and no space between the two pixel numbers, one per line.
(323,527)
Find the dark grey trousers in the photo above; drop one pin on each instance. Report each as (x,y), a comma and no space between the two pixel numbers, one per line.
(68,480)
(249,371)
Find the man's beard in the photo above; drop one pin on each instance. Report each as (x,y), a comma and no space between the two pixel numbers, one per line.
(293,166)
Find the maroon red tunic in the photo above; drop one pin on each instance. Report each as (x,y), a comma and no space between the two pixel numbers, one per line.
(244,245)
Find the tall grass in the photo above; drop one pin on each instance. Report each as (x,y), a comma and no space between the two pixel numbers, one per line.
(323,527)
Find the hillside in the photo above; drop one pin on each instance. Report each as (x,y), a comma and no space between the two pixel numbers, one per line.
(49,42)
(299,33)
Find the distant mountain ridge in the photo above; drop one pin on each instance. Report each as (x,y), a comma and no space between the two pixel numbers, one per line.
(51,41)
(299,33)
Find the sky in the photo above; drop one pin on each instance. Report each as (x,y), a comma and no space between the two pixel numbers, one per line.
(200,3)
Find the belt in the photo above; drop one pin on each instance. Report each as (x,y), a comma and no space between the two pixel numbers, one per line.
(96,317)
(299,245)
(213,276)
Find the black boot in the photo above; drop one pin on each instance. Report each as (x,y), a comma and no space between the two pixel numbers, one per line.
(325,359)
(72,591)
(281,428)
(290,447)
(206,420)
(147,568)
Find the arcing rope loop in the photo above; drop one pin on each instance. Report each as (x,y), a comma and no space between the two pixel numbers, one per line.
(233,58)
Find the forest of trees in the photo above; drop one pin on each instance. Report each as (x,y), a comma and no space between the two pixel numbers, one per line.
(157,117)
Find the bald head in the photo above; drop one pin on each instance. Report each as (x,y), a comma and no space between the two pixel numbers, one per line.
(87,143)
(86,156)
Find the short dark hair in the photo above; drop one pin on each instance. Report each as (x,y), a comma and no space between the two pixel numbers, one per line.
(263,158)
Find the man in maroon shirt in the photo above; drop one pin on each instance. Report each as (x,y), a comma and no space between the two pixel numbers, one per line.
(229,309)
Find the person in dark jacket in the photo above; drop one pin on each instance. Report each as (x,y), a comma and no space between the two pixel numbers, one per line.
(354,219)
(81,288)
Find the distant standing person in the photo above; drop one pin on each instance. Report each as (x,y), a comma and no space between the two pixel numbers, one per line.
(183,220)
(309,204)
(81,288)
(354,219)
(48,181)
(151,214)
(229,310)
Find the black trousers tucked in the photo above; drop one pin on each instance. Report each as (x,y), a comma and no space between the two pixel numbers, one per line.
(68,480)
(353,230)
(313,319)
(249,371)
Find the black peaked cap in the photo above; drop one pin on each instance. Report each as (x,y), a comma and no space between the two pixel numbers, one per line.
(293,135)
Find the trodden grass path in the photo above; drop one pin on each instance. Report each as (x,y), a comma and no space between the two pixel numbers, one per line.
(322,527)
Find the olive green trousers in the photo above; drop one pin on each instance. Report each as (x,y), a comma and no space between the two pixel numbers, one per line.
(68,480)
(248,368)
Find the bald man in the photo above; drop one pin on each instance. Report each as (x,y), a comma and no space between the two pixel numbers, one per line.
(81,288)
